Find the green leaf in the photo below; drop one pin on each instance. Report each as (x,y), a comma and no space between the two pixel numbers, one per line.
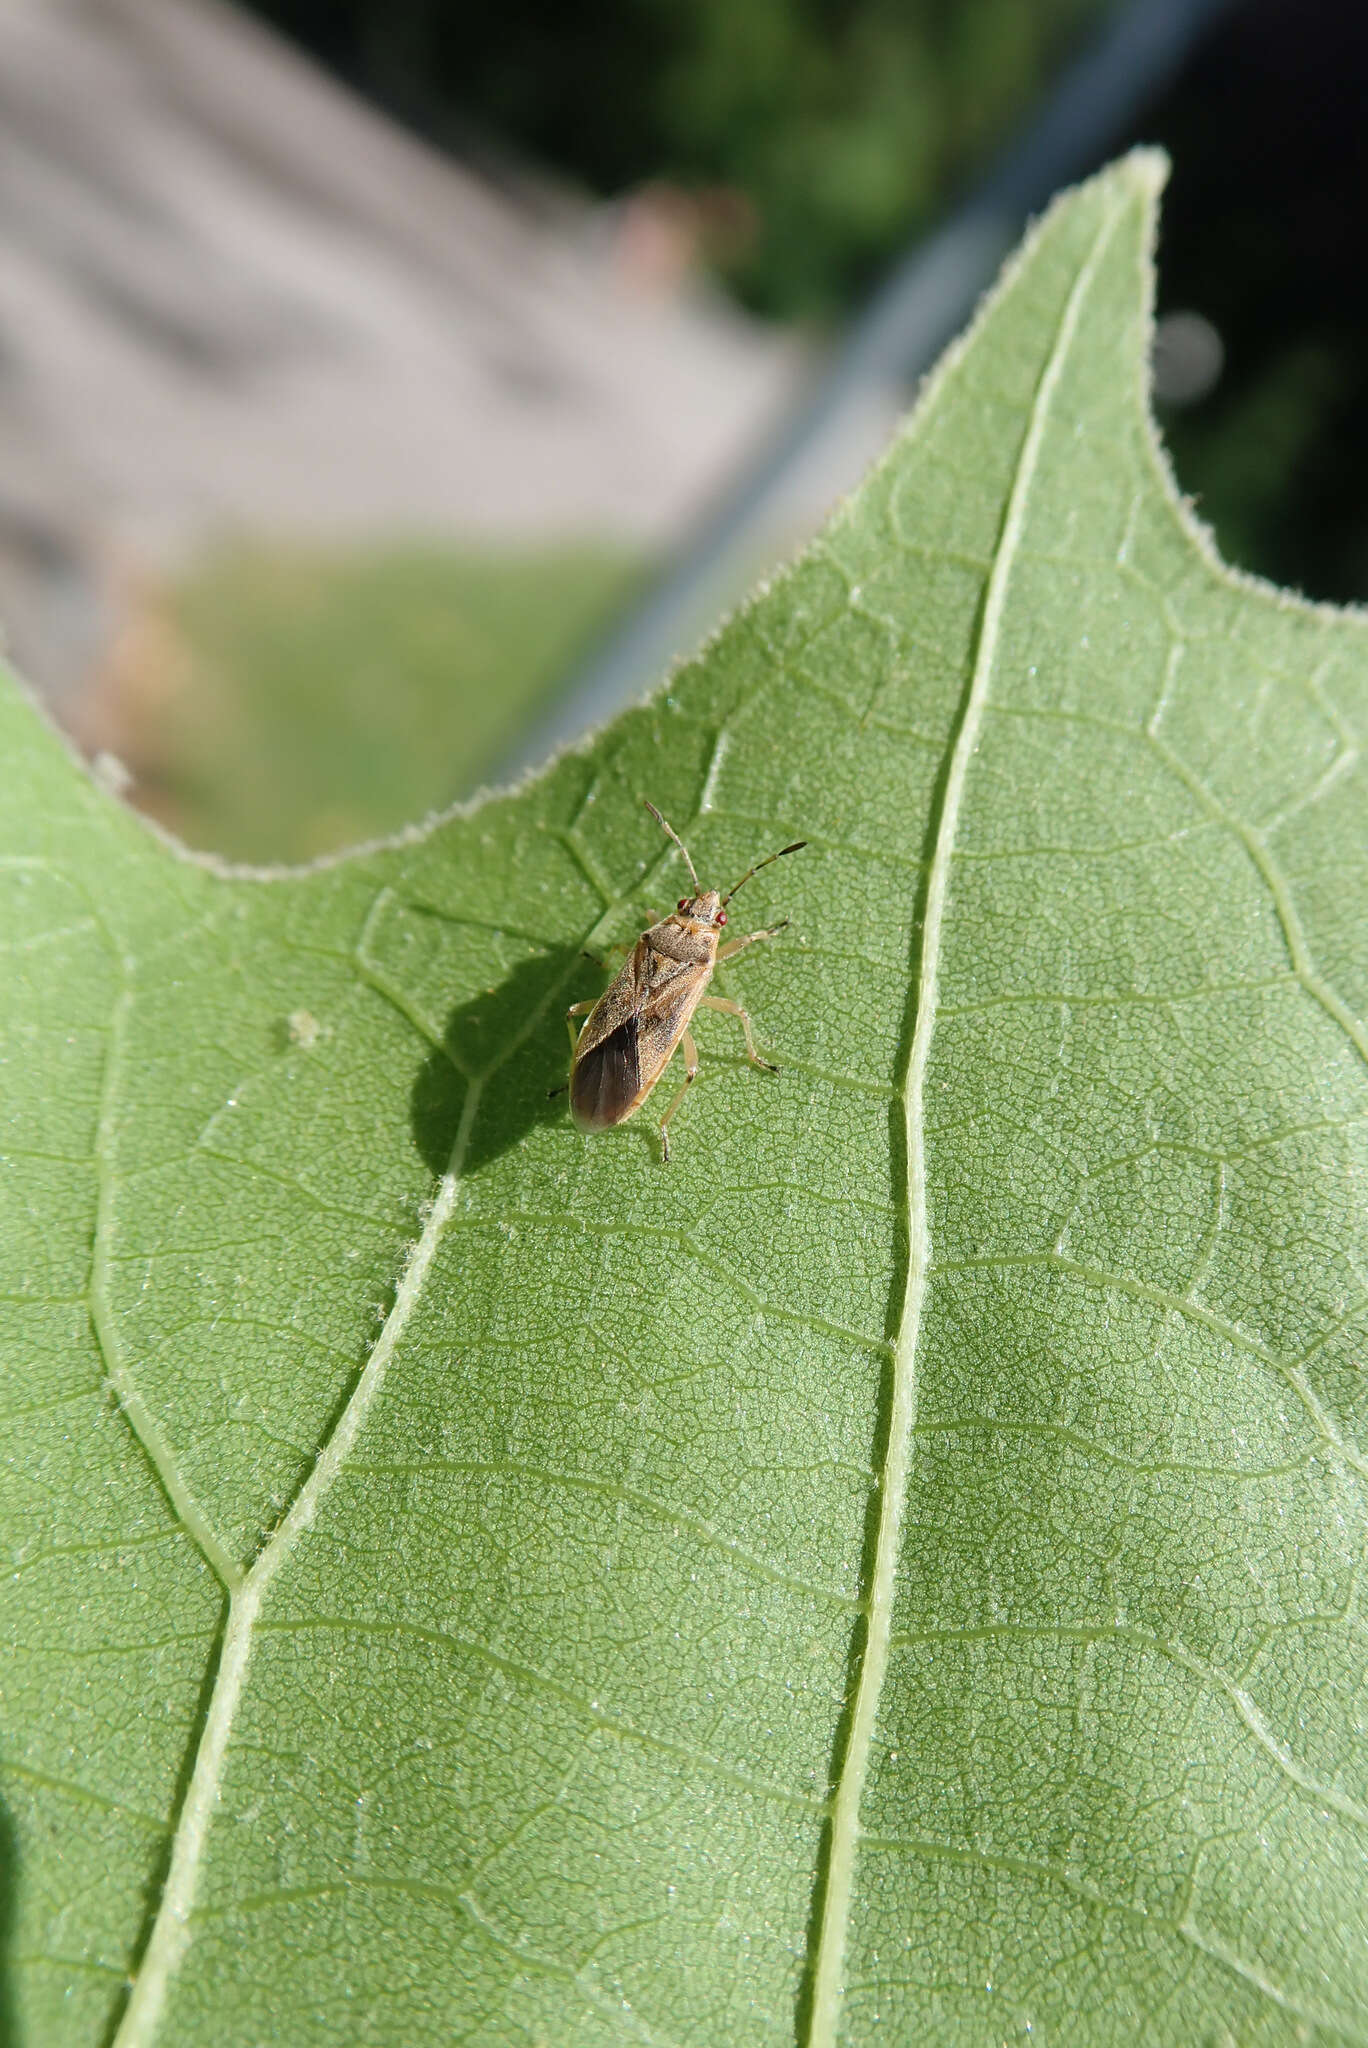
(891,1574)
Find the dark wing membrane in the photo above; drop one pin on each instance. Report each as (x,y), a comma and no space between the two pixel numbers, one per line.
(605,1082)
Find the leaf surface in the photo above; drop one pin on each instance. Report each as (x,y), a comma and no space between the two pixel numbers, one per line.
(892,1574)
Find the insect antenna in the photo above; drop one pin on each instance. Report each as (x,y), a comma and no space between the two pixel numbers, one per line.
(698,889)
(768,861)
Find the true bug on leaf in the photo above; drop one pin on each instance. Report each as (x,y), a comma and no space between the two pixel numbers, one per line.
(631,1032)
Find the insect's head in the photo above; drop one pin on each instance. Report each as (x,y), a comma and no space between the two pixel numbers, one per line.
(704,908)
(706,905)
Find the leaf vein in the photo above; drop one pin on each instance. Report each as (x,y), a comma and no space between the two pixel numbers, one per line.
(1269,872)
(829,1958)
(626,1496)
(1209,1675)
(134,1409)
(528,1674)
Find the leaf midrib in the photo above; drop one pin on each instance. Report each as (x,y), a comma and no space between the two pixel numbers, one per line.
(828,1963)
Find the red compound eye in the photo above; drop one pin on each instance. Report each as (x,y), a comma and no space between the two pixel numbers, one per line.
(721,917)
(683,903)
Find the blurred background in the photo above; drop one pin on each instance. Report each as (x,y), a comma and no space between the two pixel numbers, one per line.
(391,388)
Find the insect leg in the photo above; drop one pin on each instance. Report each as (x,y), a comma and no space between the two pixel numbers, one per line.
(734,946)
(690,1069)
(731,1009)
(576,1010)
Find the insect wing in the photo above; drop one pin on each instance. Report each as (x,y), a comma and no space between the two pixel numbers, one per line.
(605,1076)
(629,1037)
(664,1018)
(605,1082)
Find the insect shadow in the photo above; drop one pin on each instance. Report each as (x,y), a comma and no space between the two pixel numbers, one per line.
(516,1096)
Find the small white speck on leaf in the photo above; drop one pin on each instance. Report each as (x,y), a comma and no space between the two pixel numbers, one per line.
(304,1029)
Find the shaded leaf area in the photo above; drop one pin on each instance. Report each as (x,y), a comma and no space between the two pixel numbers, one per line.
(891,1574)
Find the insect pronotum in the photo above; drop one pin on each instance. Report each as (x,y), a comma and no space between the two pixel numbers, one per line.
(632,1031)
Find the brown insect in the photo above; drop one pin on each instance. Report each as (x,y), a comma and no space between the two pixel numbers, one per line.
(632,1031)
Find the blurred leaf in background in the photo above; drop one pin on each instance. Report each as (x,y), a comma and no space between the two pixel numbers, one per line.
(834,129)
(840,129)
(281,703)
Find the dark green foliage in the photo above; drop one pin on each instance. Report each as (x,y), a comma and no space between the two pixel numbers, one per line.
(842,124)
(1265,234)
